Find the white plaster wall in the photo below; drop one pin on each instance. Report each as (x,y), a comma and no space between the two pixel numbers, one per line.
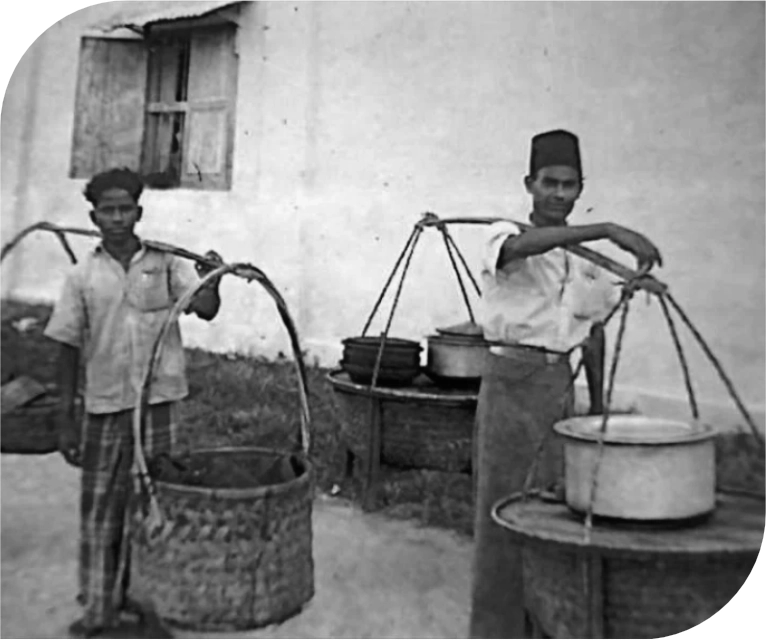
(354,118)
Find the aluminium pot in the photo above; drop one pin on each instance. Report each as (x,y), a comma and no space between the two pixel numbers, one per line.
(456,360)
(651,469)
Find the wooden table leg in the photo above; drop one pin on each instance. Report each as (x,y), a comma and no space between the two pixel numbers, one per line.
(592,567)
(350,463)
(372,459)
(532,628)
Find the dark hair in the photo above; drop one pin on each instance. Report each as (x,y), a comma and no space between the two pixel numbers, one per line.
(113,179)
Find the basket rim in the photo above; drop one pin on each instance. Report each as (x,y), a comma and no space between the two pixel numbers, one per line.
(42,404)
(245,492)
(586,429)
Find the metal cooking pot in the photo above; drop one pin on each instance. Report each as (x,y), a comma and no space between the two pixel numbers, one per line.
(399,365)
(651,469)
(456,358)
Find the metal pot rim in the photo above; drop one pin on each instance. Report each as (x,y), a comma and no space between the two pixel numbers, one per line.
(587,429)
(458,341)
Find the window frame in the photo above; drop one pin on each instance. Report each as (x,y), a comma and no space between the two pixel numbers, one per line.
(84,163)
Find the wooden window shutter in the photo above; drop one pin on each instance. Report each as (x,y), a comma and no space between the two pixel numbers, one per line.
(109,107)
(209,136)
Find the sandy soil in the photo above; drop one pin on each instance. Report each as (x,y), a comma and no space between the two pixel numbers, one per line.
(375,578)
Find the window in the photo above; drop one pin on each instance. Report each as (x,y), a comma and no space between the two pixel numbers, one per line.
(162,106)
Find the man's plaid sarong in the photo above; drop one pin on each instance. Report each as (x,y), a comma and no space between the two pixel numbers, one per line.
(107,487)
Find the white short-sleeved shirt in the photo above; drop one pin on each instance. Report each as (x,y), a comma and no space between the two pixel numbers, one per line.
(114,317)
(549,300)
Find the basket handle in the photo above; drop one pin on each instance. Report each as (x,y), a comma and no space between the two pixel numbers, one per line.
(242,270)
(180,305)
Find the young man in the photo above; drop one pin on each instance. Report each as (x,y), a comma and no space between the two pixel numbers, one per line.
(540,302)
(110,312)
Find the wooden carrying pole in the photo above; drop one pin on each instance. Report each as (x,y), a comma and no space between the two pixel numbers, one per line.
(646,282)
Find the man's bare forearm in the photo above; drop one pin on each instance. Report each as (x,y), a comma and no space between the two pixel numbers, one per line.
(68,373)
(537,240)
(593,361)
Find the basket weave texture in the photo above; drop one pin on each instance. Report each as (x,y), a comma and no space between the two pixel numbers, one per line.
(31,429)
(643,597)
(221,545)
(419,434)
(227,559)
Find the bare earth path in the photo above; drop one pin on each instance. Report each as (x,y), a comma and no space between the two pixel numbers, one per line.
(375,578)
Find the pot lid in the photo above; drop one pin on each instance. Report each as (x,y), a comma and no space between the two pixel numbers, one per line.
(464,329)
(632,429)
(457,340)
(374,341)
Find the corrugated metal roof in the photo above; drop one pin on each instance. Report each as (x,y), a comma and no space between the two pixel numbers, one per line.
(162,12)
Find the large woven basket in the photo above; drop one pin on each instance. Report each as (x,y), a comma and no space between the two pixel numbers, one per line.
(629,580)
(645,598)
(226,555)
(228,559)
(418,430)
(31,429)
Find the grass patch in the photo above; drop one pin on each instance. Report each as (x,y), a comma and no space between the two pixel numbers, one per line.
(243,401)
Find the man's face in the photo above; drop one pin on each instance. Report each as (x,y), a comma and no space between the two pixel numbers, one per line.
(116,214)
(554,191)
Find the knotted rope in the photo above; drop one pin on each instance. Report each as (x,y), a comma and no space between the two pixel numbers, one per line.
(607,408)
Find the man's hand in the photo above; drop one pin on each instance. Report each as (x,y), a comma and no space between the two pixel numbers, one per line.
(203,269)
(647,283)
(207,300)
(640,246)
(70,437)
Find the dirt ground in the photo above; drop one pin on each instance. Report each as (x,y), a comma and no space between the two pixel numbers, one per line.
(375,578)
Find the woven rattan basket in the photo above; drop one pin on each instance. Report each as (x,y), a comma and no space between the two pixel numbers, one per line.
(645,598)
(228,559)
(227,556)
(418,430)
(630,580)
(31,429)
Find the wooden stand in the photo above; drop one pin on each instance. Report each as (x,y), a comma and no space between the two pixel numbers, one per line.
(372,461)
(420,426)
(630,580)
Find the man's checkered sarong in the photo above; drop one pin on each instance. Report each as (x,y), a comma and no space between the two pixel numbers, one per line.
(107,487)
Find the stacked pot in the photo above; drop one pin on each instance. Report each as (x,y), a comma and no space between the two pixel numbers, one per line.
(456,358)
(399,365)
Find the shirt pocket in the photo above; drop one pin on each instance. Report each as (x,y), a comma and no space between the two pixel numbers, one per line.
(149,290)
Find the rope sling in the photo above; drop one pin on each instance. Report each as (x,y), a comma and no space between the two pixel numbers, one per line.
(632,281)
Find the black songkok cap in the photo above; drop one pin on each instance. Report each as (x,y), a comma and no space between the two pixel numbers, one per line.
(555,148)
